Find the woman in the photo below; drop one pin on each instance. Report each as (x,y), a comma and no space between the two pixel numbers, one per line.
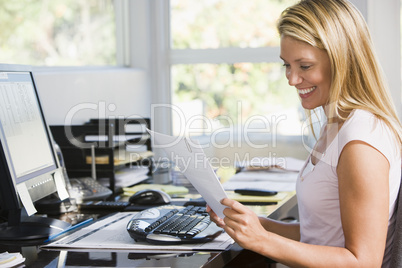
(348,187)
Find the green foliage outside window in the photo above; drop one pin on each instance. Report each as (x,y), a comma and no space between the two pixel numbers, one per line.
(57,32)
(260,88)
(225,23)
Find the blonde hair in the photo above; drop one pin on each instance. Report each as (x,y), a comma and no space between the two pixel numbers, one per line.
(337,27)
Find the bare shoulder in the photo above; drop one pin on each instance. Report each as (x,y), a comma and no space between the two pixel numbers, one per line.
(360,157)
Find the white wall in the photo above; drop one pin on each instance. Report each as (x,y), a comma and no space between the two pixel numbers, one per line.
(383,19)
(74,96)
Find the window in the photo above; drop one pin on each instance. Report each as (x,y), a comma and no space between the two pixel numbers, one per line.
(225,66)
(224,23)
(58,32)
(229,95)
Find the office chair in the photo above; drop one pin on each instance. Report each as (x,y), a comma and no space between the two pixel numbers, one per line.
(396,257)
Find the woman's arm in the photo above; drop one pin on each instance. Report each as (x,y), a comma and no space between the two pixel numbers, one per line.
(285,229)
(363,175)
(363,186)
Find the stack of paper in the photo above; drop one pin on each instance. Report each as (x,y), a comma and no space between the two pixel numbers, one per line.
(272,163)
(10,259)
(120,157)
(131,175)
(277,174)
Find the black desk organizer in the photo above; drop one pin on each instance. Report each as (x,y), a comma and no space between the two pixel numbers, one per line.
(78,151)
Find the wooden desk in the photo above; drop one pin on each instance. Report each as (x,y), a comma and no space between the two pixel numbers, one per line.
(36,257)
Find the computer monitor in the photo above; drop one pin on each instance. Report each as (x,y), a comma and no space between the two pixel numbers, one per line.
(28,159)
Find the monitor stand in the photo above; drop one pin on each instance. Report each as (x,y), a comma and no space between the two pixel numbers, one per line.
(31,230)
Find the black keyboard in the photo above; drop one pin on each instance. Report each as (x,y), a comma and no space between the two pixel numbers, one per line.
(170,225)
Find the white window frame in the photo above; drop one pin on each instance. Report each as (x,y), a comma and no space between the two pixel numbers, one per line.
(379,15)
(163,57)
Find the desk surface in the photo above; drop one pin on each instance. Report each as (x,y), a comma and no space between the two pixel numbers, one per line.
(43,258)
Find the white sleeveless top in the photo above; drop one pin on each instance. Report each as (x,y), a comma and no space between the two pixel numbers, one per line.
(317,185)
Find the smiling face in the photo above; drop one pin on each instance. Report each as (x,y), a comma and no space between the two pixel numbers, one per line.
(308,69)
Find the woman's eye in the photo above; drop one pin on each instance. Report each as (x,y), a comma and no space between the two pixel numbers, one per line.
(305,67)
(286,65)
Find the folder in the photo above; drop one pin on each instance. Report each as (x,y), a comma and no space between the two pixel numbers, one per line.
(255,199)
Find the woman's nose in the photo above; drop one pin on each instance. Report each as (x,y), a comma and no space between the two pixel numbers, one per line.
(293,77)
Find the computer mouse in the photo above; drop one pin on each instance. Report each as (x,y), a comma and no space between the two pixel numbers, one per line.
(150,197)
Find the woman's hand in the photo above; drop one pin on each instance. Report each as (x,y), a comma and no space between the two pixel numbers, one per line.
(242,224)
(212,215)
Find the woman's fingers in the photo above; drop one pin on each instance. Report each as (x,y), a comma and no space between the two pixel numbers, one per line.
(212,215)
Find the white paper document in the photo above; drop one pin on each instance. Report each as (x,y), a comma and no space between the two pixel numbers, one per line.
(111,233)
(192,162)
(130,175)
